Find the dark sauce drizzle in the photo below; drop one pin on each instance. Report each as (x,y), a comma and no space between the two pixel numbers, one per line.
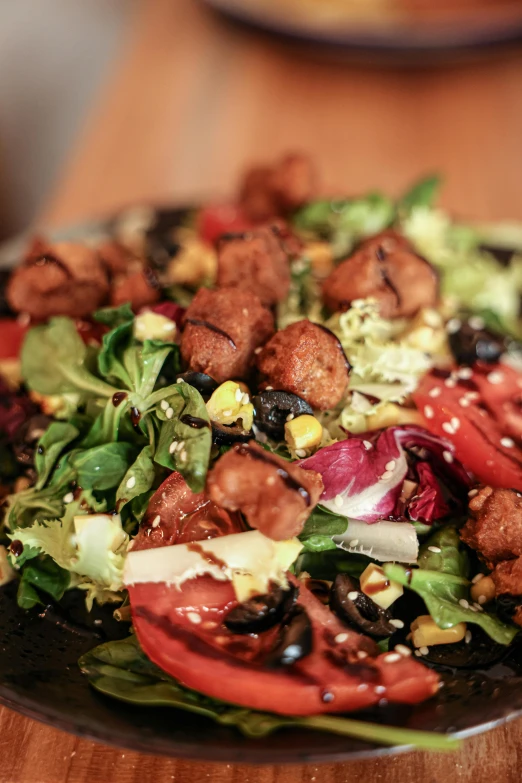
(210,557)
(290,482)
(135,416)
(118,397)
(194,421)
(381,256)
(216,329)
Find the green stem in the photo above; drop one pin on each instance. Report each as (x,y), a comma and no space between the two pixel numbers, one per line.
(385,735)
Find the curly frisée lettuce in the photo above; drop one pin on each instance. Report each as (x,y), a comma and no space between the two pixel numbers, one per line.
(91,547)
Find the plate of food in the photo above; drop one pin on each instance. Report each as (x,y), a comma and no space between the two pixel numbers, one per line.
(394,26)
(262,475)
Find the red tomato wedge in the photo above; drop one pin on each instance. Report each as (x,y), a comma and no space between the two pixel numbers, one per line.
(482,416)
(213,221)
(330,679)
(12,335)
(182,631)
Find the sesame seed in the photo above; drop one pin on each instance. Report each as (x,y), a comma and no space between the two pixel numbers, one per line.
(245,312)
(390,465)
(477,578)
(183,455)
(472,493)
(418,653)
(380,689)
(386,475)
(435,392)
(450,383)
(465,373)
(258,350)
(245,399)
(392,657)
(131,482)
(341,637)
(353,595)
(338,501)
(476,322)
(169,413)
(424,650)
(481,599)
(363,686)
(472,396)
(453,325)
(448,427)
(173,446)
(300,453)
(464,402)
(180,380)
(227,413)
(269,388)
(403,650)
(467,637)
(495,377)
(464,603)
(239,394)
(448,456)
(353,542)
(436,549)
(362,655)
(290,417)
(429,412)
(367,445)
(68,498)
(396,623)
(156,520)
(478,606)
(194,617)
(164,405)
(508,443)
(455,423)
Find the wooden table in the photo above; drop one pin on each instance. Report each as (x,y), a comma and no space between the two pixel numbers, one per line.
(189,103)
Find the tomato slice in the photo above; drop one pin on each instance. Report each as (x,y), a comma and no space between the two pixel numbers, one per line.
(482,416)
(218,219)
(206,657)
(176,515)
(12,334)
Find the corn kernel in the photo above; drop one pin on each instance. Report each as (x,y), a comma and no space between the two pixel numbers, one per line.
(390,415)
(195,263)
(376,585)
(320,257)
(153,326)
(305,432)
(426,632)
(484,587)
(227,405)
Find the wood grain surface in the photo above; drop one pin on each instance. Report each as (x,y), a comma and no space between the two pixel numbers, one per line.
(189,104)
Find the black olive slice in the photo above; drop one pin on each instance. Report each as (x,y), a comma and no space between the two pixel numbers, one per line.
(479,652)
(262,611)
(357,609)
(469,345)
(295,640)
(227,434)
(506,605)
(272,409)
(205,385)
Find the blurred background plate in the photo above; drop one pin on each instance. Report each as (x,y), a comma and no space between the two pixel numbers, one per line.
(394,26)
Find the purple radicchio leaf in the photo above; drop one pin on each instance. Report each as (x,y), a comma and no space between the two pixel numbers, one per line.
(428,502)
(363,476)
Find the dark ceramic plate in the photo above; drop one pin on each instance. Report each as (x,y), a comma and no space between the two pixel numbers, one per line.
(406,34)
(39,677)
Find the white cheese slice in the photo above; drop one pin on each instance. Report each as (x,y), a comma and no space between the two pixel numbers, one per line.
(223,558)
(384,541)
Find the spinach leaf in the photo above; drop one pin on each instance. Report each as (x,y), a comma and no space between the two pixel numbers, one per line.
(55,361)
(111,362)
(44,575)
(154,354)
(34,505)
(442,593)
(137,480)
(54,440)
(107,425)
(182,447)
(102,467)
(114,316)
(452,557)
(319,528)
(422,194)
(120,669)
(328,563)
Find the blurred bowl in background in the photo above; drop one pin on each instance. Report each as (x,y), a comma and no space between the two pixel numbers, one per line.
(386,26)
